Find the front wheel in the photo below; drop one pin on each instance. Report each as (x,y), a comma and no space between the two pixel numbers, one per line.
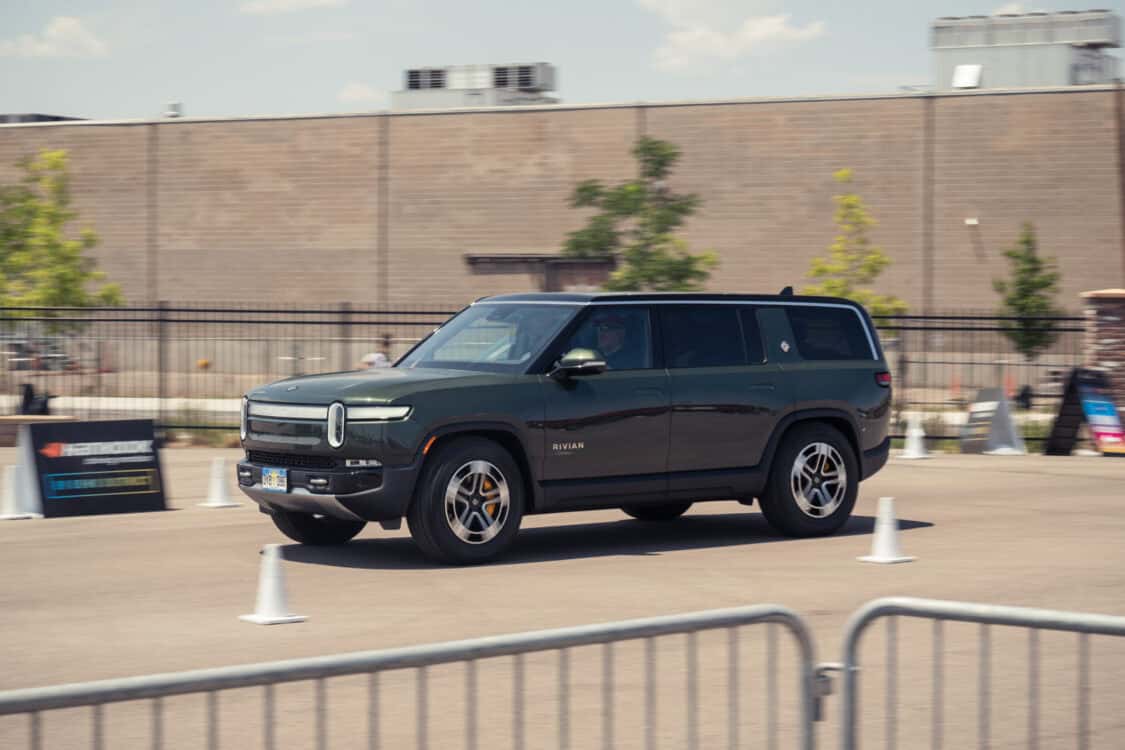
(813,482)
(307,528)
(469,502)
(656,512)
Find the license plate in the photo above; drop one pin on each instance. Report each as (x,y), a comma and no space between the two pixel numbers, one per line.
(275,480)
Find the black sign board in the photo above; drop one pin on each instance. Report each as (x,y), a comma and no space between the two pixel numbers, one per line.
(1086,400)
(87,468)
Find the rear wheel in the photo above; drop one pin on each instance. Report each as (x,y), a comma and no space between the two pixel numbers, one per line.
(813,482)
(656,512)
(307,528)
(469,502)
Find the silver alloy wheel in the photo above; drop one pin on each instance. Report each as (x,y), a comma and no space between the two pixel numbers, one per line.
(818,480)
(476,502)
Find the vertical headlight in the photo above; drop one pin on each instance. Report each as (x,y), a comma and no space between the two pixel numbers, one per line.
(336,420)
(242,418)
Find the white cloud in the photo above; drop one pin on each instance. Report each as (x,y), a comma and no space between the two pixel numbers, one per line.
(675,12)
(64,36)
(1009,8)
(268,7)
(708,30)
(361,93)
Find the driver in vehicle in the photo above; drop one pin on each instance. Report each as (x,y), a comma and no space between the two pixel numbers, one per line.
(611,333)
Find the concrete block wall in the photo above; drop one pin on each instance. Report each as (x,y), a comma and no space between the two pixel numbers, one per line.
(765,174)
(381,209)
(279,210)
(492,182)
(110,187)
(1046,158)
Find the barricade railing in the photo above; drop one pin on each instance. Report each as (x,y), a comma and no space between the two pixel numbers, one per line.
(987,616)
(212,682)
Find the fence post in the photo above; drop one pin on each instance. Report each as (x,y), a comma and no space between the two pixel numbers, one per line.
(345,358)
(902,381)
(161,359)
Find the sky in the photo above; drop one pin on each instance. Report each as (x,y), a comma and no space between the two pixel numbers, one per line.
(111,59)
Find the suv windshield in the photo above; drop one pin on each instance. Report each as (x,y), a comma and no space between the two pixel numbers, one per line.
(496,337)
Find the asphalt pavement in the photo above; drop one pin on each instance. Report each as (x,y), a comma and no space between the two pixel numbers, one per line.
(113,596)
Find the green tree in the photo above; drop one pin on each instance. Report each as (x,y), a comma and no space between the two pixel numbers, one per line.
(1028,295)
(853,262)
(40,265)
(635,222)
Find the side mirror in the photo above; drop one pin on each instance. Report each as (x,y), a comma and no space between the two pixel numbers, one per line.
(576,363)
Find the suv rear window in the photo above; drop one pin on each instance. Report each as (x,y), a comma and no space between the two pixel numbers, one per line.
(828,333)
(705,336)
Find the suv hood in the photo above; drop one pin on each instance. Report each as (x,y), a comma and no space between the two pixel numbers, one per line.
(376,386)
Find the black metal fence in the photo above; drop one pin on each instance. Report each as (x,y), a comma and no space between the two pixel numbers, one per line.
(940,362)
(186,365)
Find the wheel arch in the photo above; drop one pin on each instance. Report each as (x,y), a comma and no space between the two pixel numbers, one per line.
(837,418)
(502,434)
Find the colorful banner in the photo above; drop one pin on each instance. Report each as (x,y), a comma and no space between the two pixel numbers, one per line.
(1102,419)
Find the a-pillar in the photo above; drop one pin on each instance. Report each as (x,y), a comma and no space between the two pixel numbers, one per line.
(1105,337)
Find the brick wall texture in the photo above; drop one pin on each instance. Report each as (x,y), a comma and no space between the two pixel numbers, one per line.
(381,209)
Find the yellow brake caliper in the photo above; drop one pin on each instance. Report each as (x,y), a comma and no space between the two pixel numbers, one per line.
(489,508)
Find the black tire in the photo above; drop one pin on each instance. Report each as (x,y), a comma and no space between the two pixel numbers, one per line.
(431,527)
(319,530)
(656,512)
(780,505)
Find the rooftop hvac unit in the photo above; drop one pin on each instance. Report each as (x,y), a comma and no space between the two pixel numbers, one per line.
(425,78)
(1029,28)
(961,32)
(530,77)
(1092,28)
(1089,28)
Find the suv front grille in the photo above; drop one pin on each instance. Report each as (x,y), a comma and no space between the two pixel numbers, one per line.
(294,460)
(286,429)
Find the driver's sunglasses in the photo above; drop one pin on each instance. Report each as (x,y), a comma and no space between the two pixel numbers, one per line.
(606,327)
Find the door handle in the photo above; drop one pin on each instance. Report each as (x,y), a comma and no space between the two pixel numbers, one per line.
(760,387)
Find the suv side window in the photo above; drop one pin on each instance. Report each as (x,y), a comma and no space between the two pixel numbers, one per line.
(752,336)
(622,336)
(828,333)
(702,336)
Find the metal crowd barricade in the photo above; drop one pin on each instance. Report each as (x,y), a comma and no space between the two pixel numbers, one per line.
(1035,620)
(211,682)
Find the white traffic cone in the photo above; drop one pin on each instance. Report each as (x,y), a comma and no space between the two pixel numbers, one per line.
(15,503)
(915,438)
(884,547)
(272,607)
(218,497)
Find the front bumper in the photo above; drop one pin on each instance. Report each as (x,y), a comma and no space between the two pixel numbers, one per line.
(381,494)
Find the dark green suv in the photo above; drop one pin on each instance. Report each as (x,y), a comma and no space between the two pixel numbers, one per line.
(537,403)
